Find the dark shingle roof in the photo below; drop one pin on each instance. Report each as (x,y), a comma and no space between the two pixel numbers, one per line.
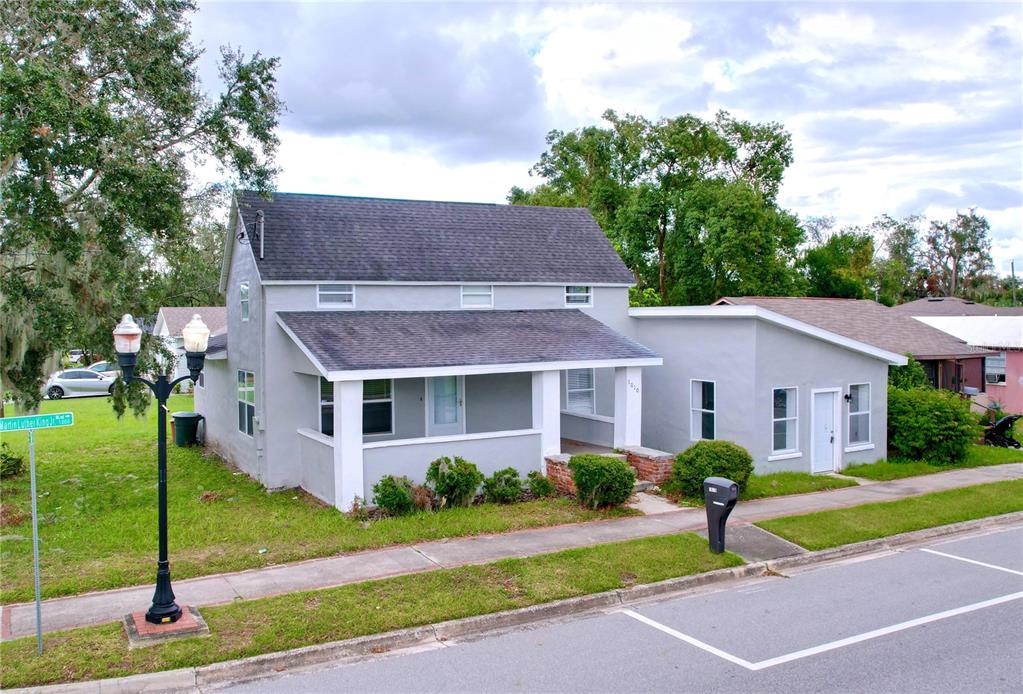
(357,340)
(217,344)
(869,322)
(320,237)
(953,306)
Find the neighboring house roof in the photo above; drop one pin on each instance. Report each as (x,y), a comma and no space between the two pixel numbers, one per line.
(365,341)
(866,321)
(349,239)
(999,332)
(953,306)
(731,312)
(177,317)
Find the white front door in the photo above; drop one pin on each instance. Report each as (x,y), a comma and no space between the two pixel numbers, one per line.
(445,406)
(825,431)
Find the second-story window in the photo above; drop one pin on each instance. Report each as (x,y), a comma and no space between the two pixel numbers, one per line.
(578,296)
(243,299)
(335,295)
(477,296)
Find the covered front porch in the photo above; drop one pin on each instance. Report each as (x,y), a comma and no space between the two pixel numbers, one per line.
(384,419)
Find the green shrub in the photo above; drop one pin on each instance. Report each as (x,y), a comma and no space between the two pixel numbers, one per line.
(540,486)
(931,425)
(912,375)
(601,481)
(503,487)
(708,459)
(11,464)
(394,495)
(455,480)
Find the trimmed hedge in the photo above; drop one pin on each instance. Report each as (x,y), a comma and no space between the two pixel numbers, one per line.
(539,486)
(601,481)
(455,480)
(708,459)
(931,425)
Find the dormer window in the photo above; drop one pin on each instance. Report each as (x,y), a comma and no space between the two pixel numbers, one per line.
(477,296)
(576,296)
(335,295)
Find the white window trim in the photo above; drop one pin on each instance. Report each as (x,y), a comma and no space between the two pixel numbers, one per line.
(592,389)
(859,447)
(390,400)
(244,306)
(693,408)
(776,452)
(588,295)
(870,418)
(238,393)
(477,290)
(333,304)
(784,456)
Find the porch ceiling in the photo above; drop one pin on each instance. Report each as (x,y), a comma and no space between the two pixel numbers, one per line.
(349,345)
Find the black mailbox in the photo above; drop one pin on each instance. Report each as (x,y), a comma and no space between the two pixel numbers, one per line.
(719,495)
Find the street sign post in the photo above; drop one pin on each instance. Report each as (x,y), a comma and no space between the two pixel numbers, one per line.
(30,423)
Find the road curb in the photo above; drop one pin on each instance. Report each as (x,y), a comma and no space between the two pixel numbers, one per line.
(268,665)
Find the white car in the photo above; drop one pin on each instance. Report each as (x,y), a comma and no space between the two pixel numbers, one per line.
(76,382)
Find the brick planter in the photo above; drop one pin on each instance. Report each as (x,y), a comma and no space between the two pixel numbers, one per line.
(559,474)
(651,465)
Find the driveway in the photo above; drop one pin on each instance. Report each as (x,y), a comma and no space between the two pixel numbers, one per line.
(943,617)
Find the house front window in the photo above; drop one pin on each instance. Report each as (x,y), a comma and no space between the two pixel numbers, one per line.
(784,420)
(335,295)
(859,413)
(580,392)
(994,368)
(702,410)
(246,401)
(578,296)
(243,300)
(477,296)
(377,407)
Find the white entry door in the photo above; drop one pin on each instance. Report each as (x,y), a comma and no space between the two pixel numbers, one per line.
(445,406)
(825,437)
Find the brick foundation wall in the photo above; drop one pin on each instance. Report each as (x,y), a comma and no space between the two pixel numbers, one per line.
(650,465)
(560,475)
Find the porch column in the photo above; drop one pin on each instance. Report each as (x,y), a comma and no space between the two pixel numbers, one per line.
(347,443)
(628,406)
(547,411)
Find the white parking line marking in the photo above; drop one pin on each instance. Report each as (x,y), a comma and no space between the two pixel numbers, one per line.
(831,645)
(973,561)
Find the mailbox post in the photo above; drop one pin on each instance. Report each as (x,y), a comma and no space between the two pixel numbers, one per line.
(719,496)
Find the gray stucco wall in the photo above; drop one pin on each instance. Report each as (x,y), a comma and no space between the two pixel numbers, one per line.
(498,402)
(747,359)
(489,455)
(587,430)
(316,456)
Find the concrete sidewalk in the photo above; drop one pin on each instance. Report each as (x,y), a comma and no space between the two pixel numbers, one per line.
(108,606)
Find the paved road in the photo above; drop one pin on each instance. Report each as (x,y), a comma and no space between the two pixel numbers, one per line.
(947,617)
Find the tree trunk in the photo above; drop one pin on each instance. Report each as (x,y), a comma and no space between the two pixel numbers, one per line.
(660,268)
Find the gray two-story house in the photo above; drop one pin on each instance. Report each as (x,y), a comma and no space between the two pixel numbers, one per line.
(368,337)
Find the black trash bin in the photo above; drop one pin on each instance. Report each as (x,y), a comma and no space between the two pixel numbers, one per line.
(186,424)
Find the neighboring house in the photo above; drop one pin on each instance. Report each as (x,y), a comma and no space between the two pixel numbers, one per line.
(367,337)
(953,306)
(171,319)
(949,362)
(1003,371)
(797,397)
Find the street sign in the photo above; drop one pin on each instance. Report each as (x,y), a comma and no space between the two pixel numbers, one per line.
(31,423)
(37,421)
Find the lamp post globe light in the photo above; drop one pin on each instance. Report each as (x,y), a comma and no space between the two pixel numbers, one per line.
(127,341)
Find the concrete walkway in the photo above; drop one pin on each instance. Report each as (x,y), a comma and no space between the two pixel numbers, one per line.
(108,606)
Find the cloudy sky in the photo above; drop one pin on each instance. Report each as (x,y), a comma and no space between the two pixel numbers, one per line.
(893,107)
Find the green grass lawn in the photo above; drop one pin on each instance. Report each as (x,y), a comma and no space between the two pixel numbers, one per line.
(979,456)
(248,628)
(844,526)
(97,505)
(777,484)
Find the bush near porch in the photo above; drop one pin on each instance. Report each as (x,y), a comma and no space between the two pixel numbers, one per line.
(97,504)
(930,425)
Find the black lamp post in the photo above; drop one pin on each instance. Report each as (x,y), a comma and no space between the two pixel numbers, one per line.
(127,340)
